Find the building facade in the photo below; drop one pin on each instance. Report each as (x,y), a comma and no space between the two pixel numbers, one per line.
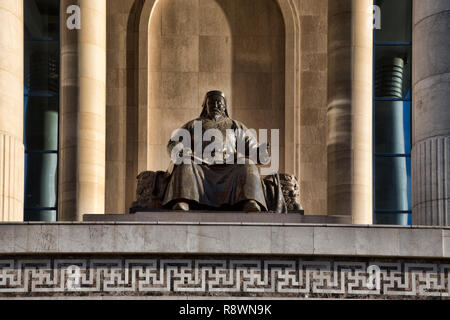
(92,89)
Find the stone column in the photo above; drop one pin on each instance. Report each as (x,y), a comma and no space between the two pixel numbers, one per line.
(82,124)
(349,142)
(11,111)
(431,113)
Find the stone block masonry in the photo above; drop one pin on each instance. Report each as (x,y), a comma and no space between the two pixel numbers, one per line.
(218,260)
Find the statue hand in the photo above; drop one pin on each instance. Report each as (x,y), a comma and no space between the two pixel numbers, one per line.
(263,153)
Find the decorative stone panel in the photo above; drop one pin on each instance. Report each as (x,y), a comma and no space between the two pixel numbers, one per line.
(262,276)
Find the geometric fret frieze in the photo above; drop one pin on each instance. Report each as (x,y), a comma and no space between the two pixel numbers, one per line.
(264,277)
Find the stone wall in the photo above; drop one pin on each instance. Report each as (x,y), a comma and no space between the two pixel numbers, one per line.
(120,107)
(313,105)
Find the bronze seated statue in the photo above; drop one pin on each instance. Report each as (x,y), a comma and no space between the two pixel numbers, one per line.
(216,175)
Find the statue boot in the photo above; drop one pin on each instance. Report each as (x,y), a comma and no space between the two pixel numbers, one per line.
(181,206)
(251,206)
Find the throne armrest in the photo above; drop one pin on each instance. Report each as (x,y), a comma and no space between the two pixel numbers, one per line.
(150,189)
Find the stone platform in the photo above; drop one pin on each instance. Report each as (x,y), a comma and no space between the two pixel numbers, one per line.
(199,260)
(217,217)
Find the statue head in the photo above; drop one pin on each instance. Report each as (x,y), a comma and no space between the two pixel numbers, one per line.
(214,105)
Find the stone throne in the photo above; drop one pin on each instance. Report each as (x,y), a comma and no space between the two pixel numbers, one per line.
(203,173)
(151,186)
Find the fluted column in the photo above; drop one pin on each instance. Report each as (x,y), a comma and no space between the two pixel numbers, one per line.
(11,111)
(431,113)
(82,127)
(349,113)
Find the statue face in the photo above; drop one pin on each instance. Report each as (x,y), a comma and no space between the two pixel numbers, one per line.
(216,106)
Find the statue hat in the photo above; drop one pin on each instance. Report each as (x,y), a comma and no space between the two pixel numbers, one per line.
(210,94)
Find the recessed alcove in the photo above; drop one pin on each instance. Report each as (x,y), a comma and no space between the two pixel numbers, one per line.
(195,46)
(255,54)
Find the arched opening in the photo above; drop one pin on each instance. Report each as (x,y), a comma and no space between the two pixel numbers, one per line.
(139,91)
(196,46)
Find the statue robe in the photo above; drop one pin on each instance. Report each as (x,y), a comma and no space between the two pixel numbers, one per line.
(216,185)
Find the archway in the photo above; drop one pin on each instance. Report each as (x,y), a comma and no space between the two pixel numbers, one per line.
(138,142)
(196,46)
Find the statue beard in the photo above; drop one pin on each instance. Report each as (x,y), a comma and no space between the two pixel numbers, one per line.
(217,115)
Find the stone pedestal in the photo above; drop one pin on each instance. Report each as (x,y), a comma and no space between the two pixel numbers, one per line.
(217,217)
(152,260)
